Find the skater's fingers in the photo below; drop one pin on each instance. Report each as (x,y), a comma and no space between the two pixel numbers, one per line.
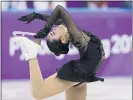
(23,18)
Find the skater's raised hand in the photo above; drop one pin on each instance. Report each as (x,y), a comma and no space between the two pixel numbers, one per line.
(28,18)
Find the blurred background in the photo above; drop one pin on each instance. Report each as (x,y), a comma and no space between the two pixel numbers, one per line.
(110,20)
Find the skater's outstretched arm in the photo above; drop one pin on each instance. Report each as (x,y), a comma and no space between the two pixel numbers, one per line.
(30,17)
(60,13)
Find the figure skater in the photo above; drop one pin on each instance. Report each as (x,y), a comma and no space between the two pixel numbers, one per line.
(72,76)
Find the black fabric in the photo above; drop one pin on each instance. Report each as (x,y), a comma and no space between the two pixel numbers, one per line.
(96,40)
(45,18)
(30,17)
(43,32)
(84,69)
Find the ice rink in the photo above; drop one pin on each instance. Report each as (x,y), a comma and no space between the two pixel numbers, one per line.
(114,88)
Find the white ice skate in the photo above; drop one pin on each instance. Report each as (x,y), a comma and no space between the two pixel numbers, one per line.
(29,48)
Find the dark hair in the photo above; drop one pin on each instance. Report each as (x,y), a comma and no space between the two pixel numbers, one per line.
(57,47)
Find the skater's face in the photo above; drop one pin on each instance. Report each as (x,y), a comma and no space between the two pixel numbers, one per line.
(59,33)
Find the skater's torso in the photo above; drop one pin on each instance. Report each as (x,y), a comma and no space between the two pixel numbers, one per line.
(82,43)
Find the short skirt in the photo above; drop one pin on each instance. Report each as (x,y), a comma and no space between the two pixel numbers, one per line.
(85,68)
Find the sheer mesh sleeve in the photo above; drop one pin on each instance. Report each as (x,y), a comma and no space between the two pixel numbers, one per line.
(45,17)
(60,13)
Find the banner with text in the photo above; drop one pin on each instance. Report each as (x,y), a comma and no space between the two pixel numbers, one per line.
(114,29)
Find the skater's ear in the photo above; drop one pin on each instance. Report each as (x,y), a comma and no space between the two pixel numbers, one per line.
(63,39)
